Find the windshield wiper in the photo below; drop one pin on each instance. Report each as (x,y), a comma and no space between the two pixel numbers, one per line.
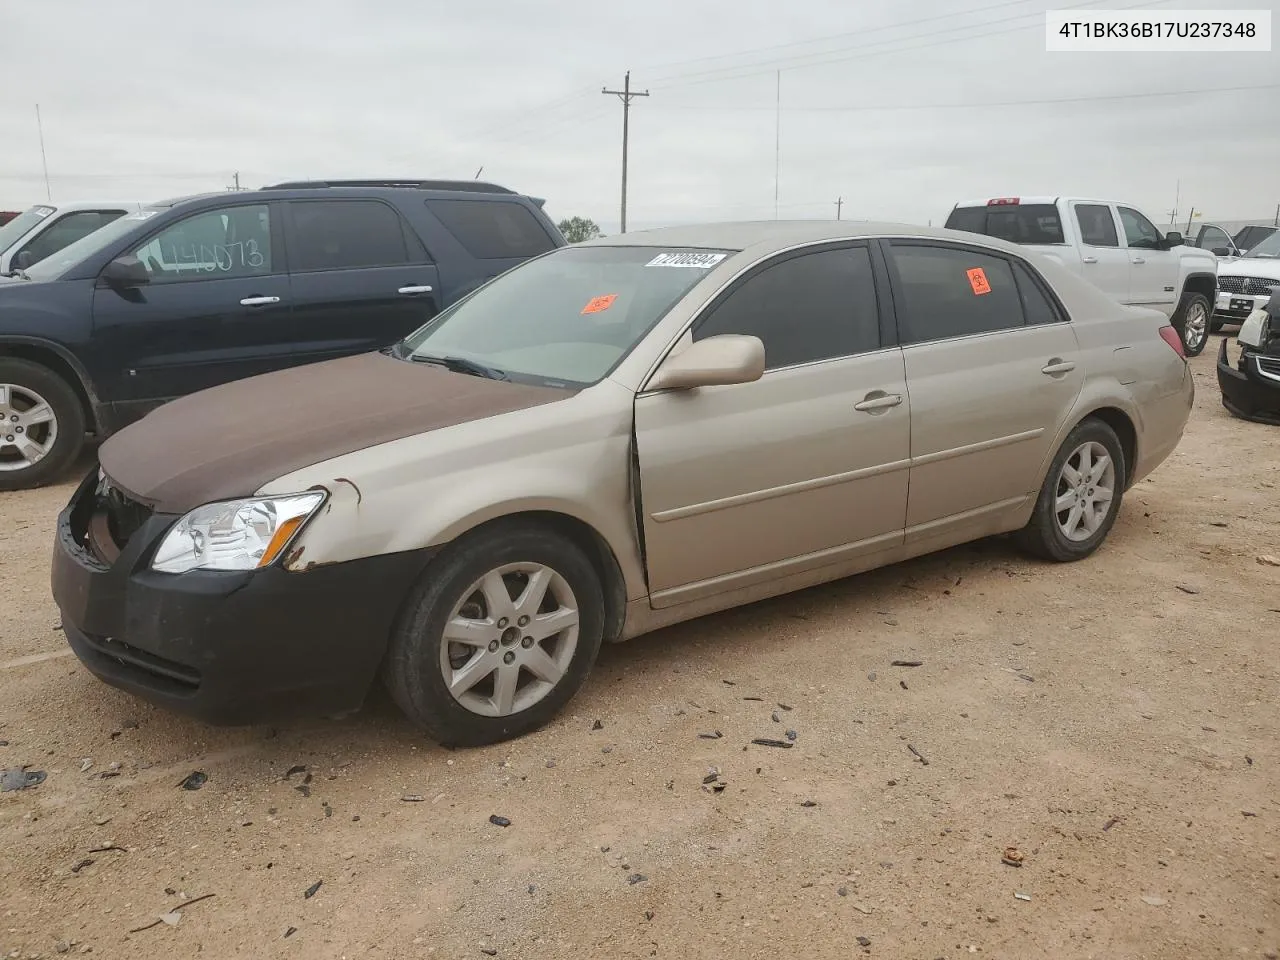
(461,365)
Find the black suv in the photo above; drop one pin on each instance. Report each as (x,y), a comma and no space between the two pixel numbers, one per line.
(195,292)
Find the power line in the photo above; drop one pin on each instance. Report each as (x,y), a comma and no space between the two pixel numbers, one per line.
(626,95)
(859,51)
(966,106)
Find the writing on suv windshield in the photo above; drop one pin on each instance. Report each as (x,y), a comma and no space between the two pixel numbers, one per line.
(568,317)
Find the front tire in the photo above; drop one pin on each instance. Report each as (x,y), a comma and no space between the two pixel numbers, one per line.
(500,633)
(41,425)
(1080,498)
(1192,321)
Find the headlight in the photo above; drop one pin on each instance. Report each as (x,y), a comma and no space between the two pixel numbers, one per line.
(236,534)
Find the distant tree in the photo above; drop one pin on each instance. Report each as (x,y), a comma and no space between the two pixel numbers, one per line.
(577,229)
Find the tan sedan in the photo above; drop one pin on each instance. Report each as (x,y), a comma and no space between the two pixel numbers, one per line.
(613,437)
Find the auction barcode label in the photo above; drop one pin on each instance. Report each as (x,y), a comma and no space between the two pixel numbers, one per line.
(1209,31)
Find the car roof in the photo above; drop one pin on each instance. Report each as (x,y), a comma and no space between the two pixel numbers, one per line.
(90,204)
(763,236)
(314,189)
(1029,200)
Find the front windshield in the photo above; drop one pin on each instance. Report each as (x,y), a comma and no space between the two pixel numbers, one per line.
(54,266)
(13,231)
(1268,249)
(567,317)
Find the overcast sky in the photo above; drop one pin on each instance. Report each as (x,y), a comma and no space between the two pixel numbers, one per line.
(900,107)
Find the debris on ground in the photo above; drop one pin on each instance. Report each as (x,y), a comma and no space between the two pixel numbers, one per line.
(1152,900)
(86,862)
(808,803)
(290,932)
(635,878)
(766,742)
(311,890)
(774,717)
(716,735)
(20,778)
(106,846)
(1110,823)
(296,768)
(1269,561)
(907,663)
(902,684)
(918,755)
(1188,589)
(755,699)
(792,735)
(498,821)
(863,941)
(85,764)
(194,780)
(172,917)
(783,706)
(598,725)
(412,798)
(872,676)
(1012,857)
(1022,896)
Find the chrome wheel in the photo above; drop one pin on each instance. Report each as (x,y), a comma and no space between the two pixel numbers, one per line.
(1195,328)
(1086,487)
(510,639)
(28,427)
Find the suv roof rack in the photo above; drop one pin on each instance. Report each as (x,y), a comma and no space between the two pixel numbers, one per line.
(469,186)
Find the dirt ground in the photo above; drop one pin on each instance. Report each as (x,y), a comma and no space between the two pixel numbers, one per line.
(1117,721)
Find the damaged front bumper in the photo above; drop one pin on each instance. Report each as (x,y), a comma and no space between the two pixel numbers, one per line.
(225,647)
(1250,387)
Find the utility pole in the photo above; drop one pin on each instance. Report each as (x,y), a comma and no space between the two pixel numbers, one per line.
(839,206)
(1276,222)
(626,95)
(235,182)
(48,193)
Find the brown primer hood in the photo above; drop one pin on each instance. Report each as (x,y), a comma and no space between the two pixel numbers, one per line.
(228,441)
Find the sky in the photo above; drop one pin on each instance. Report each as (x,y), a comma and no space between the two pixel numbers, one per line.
(897,107)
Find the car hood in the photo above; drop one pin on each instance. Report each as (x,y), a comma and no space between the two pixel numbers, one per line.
(229,441)
(1252,267)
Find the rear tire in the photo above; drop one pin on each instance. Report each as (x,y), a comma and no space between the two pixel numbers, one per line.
(1077,507)
(43,425)
(523,608)
(1192,320)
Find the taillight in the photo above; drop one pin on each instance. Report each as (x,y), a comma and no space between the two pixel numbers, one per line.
(1170,336)
(1003,202)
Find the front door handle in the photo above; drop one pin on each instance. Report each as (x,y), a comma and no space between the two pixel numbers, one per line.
(1090,260)
(258,301)
(1138,260)
(414,288)
(878,400)
(1057,365)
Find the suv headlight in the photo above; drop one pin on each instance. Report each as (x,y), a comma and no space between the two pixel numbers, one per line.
(235,534)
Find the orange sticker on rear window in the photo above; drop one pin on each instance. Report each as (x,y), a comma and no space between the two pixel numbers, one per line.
(598,304)
(978,280)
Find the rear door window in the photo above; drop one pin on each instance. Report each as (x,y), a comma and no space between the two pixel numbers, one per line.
(347,235)
(947,292)
(1031,223)
(493,229)
(1097,225)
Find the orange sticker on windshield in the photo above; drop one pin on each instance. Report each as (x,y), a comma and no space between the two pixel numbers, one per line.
(599,304)
(978,280)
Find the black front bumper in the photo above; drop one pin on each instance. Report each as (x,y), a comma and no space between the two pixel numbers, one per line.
(1246,393)
(227,648)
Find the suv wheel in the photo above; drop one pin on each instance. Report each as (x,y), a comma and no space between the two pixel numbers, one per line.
(499,635)
(1080,499)
(41,424)
(1192,321)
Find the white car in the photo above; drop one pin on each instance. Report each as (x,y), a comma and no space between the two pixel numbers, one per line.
(1112,245)
(1245,285)
(46,228)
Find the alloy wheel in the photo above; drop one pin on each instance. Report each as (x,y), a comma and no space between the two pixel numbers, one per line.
(1196,326)
(28,427)
(1086,488)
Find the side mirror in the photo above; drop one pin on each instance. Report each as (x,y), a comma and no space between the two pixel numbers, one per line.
(717,361)
(125,272)
(1273,305)
(25,259)
(1173,239)
(1222,251)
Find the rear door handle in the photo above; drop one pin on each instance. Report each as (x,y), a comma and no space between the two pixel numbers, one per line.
(1056,366)
(878,400)
(1138,260)
(1090,260)
(414,288)
(258,301)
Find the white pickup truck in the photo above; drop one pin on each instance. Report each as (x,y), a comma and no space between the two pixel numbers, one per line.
(1112,245)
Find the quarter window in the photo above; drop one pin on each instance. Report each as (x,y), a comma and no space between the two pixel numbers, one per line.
(1138,230)
(815,306)
(346,235)
(493,229)
(1097,226)
(227,243)
(1035,304)
(953,292)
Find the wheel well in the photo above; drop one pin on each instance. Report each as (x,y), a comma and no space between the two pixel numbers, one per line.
(598,552)
(1202,284)
(1119,421)
(52,361)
